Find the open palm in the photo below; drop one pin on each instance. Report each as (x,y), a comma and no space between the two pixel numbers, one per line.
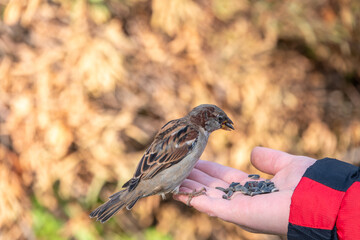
(266,213)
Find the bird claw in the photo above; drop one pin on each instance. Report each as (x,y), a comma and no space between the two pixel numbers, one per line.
(193,194)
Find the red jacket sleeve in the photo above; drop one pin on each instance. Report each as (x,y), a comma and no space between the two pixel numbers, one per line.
(326,202)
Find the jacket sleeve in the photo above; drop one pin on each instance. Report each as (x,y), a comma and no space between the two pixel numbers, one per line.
(326,202)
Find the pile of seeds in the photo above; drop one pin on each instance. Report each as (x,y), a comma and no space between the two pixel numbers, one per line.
(250,188)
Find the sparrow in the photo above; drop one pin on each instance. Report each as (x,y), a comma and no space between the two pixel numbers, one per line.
(169,159)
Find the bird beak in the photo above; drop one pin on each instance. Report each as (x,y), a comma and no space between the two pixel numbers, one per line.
(227,125)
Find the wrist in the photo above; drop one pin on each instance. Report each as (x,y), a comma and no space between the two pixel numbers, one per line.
(318,197)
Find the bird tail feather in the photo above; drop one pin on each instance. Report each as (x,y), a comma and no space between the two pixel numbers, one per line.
(116,202)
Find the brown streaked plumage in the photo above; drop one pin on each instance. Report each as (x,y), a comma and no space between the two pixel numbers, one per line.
(169,159)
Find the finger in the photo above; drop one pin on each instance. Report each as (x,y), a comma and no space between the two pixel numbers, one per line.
(207,180)
(204,203)
(269,160)
(202,177)
(219,171)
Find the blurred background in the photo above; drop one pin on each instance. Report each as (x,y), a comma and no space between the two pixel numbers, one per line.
(85,86)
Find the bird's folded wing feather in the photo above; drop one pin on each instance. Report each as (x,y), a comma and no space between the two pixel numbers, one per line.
(172,144)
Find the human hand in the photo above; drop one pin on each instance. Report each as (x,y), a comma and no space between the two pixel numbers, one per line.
(265,213)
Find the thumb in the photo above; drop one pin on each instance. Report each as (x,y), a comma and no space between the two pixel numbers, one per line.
(269,160)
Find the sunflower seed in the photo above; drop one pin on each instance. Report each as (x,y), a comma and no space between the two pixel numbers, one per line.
(245,191)
(250,188)
(266,190)
(221,189)
(261,184)
(238,187)
(254,193)
(254,176)
(233,184)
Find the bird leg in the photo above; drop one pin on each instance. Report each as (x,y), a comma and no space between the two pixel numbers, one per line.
(192,194)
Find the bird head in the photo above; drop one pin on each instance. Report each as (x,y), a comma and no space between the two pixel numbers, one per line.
(211,118)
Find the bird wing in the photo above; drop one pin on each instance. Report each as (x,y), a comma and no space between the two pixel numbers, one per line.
(172,144)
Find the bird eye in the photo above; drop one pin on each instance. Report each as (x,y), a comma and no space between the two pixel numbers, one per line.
(221,119)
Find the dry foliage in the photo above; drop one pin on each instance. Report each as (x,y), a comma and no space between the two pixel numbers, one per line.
(84,86)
